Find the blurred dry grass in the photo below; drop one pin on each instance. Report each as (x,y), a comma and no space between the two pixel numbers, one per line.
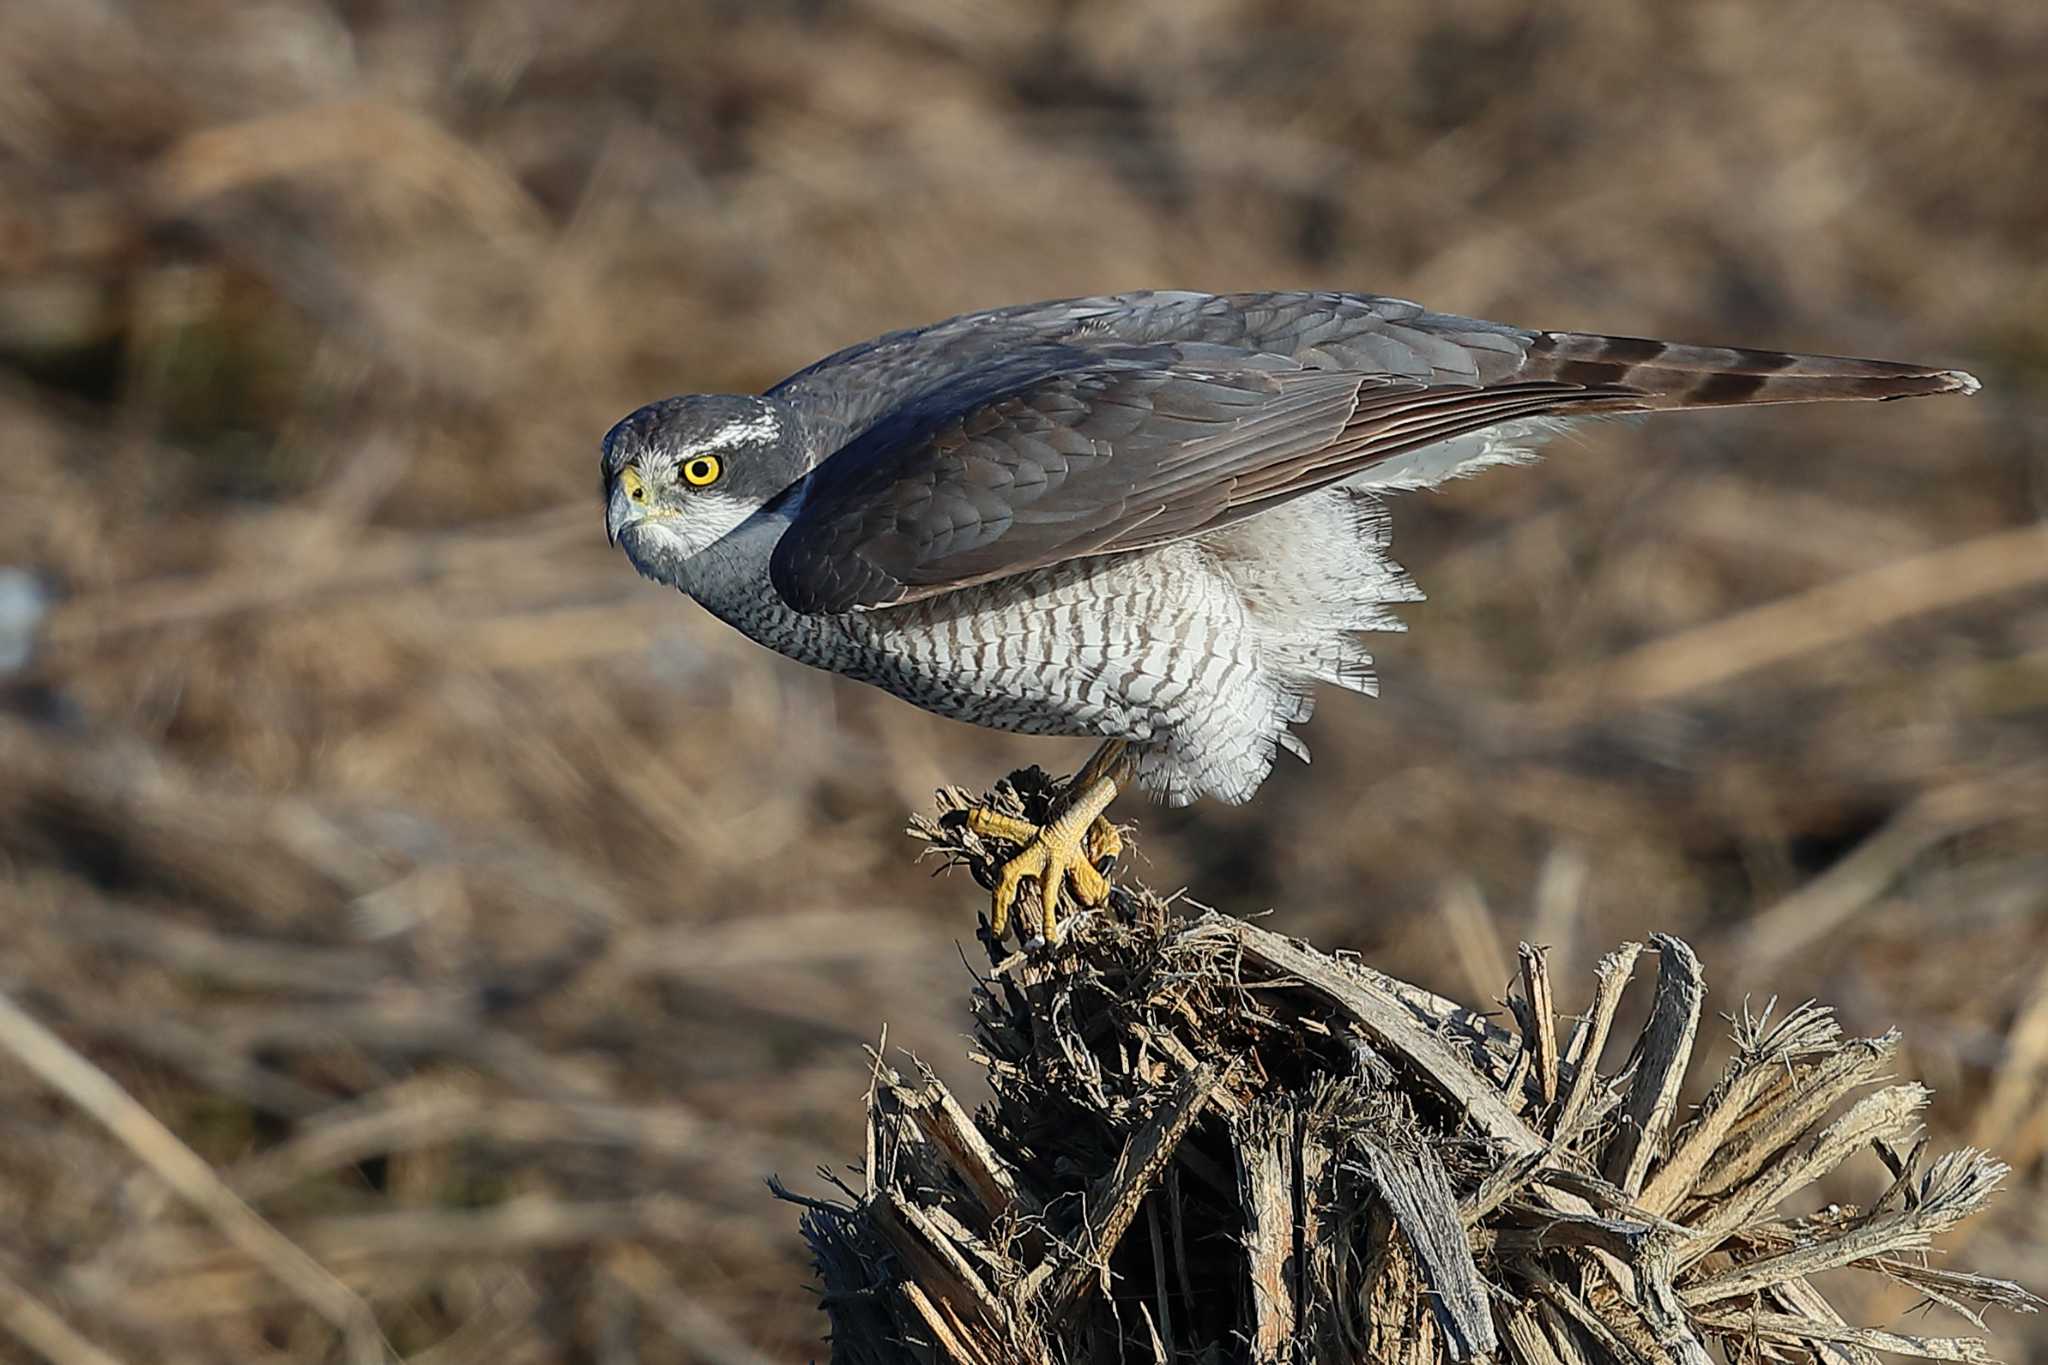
(494,920)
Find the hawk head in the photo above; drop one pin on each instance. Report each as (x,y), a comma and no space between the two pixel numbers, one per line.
(681,473)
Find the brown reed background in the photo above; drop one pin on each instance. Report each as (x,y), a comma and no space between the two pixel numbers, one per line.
(493,921)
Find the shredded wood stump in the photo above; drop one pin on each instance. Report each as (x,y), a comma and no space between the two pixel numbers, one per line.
(1212,1143)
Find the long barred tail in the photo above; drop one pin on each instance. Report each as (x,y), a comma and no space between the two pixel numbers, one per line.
(1661,374)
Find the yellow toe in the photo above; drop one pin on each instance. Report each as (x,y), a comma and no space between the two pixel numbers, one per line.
(995,824)
(1059,856)
(1104,841)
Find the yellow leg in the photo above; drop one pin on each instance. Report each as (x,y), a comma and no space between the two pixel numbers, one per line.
(1061,853)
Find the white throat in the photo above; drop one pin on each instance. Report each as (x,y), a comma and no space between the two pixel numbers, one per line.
(736,561)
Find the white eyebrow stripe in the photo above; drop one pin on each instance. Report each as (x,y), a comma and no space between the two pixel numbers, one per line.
(760,426)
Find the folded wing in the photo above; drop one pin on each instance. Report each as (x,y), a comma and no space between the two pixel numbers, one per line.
(1062,448)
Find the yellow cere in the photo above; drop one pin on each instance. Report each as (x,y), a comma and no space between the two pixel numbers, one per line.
(635,486)
(700,470)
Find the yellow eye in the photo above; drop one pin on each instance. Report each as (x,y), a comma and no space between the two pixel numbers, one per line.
(701,470)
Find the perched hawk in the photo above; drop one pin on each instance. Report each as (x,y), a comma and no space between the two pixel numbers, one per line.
(1152,518)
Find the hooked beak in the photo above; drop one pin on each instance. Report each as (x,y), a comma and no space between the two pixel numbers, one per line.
(619,513)
(622,509)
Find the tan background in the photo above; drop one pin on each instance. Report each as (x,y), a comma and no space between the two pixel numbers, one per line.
(495,920)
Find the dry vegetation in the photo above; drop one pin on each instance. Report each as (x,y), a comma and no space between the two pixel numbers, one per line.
(1209,1141)
(491,922)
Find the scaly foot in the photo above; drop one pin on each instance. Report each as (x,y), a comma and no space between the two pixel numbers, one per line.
(1061,853)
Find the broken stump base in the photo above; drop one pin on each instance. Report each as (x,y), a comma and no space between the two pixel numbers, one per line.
(1211,1143)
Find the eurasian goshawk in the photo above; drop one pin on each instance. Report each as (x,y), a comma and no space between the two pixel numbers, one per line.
(1152,517)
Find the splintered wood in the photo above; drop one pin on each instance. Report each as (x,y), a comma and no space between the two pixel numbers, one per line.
(1210,1143)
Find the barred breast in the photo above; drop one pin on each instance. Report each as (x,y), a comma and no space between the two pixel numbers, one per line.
(1201,653)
